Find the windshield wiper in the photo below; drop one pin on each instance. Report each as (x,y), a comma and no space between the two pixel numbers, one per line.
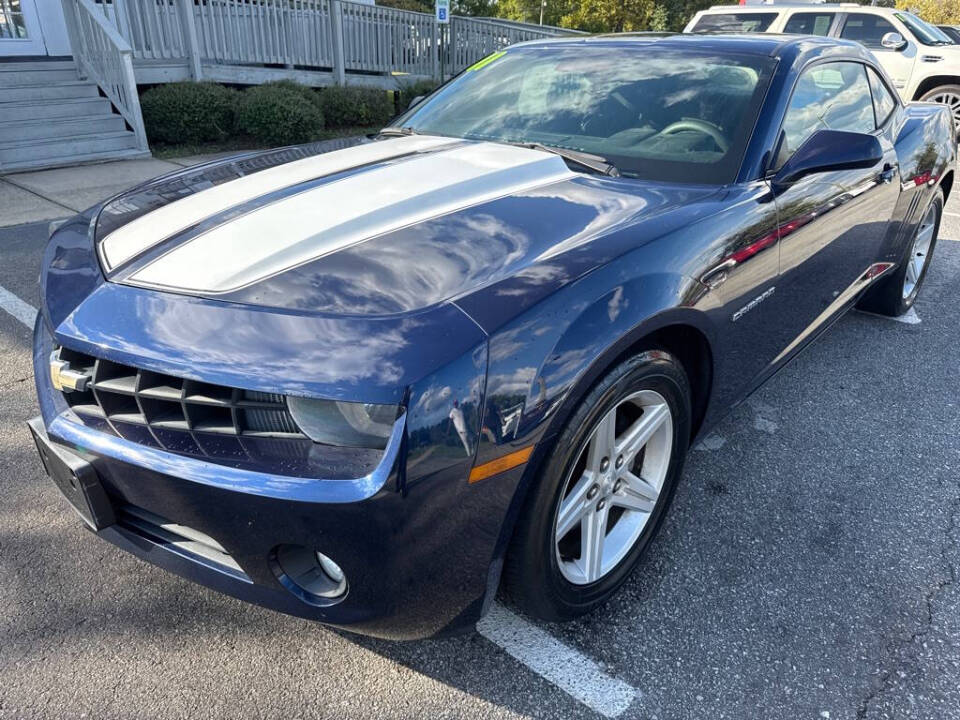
(398,131)
(597,163)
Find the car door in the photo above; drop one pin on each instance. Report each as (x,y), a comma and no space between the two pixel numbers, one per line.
(868,29)
(832,224)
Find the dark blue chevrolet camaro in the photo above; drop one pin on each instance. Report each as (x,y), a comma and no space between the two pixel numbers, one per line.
(367,386)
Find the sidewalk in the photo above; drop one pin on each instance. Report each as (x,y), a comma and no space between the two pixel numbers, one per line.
(59,193)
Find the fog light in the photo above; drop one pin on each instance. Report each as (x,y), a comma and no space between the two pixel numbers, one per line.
(309,574)
(330,568)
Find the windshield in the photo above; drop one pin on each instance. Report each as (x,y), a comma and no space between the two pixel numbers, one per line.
(925,33)
(655,114)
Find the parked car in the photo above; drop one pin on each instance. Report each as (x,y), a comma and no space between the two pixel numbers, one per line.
(922,61)
(951,31)
(364,386)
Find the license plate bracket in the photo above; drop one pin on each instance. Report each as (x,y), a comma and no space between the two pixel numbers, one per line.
(75,477)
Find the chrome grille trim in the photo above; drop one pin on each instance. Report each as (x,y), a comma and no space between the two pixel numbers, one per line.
(130,396)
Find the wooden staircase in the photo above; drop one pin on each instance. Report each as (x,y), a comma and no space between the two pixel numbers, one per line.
(50,118)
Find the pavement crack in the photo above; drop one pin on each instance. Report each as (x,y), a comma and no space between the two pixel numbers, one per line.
(17,381)
(15,184)
(889,678)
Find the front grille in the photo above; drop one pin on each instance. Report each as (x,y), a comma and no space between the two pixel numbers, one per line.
(126,397)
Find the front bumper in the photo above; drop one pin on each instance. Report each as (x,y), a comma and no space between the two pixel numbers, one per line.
(418,548)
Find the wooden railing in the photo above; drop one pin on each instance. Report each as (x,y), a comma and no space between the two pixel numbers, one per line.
(330,35)
(103,56)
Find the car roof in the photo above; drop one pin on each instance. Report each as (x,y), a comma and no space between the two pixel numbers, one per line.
(770,44)
(805,7)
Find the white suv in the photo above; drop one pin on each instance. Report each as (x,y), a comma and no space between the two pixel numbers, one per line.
(922,61)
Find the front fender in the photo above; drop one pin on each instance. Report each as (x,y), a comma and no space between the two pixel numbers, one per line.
(545,360)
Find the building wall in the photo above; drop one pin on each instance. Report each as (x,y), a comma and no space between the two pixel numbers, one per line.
(53,27)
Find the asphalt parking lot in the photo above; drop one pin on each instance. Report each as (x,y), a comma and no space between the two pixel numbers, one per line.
(807,569)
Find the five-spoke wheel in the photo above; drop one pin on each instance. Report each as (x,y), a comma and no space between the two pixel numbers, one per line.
(600,495)
(613,487)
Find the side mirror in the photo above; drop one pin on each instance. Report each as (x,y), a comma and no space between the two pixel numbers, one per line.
(416,101)
(893,41)
(828,150)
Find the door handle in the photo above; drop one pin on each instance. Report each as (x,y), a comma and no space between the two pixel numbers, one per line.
(717,275)
(889,173)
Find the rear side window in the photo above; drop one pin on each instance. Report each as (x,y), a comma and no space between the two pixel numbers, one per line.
(832,96)
(883,101)
(809,24)
(741,22)
(866,29)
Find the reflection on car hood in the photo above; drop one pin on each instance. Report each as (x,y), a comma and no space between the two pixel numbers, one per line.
(381,228)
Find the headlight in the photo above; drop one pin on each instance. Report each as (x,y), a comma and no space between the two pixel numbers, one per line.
(344,423)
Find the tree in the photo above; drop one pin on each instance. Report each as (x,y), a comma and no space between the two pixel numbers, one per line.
(937,12)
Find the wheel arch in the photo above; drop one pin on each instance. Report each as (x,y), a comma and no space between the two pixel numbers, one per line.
(946,184)
(934,81)
(684,333)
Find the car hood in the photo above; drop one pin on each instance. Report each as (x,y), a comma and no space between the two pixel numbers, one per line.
(382,228)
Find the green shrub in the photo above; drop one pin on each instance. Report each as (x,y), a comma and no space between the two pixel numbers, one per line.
(189,112)
(407,93)
(278,114)
(355,106)
(306,92)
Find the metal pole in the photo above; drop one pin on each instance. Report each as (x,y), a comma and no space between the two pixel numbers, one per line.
(544,2)
(442,53)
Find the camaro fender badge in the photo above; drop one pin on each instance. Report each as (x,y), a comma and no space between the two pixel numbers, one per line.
(753,303)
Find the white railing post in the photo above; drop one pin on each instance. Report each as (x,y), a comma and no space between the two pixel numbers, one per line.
(73,32)
(188,25)
(436,50)
(339,56)
(122,19)
(135,117)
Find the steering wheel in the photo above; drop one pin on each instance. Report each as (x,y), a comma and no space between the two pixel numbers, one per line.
(700,126)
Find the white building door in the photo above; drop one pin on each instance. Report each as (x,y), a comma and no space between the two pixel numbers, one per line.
(20,29)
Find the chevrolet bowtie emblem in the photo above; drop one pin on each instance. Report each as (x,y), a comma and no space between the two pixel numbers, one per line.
(64,378)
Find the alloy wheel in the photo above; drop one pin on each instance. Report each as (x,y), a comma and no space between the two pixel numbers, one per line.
(613,487)
(919,252)
(951,100)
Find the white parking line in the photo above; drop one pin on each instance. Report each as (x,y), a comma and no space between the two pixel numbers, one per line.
(22,311)
(910,317)
(574,673)
(956,215)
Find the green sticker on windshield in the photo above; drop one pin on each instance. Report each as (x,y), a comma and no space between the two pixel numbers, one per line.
(486,61)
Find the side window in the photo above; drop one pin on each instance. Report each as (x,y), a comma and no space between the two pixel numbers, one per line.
(832,96)
(741,22)
(808,23)
(866,29)
(883,100)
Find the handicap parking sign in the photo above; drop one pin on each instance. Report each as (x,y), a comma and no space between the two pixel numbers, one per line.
(443,11)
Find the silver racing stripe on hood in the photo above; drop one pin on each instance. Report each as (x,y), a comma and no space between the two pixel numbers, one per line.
(149,230)
(347,211)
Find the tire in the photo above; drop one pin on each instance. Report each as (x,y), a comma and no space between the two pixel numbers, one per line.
(895,294)
(948,95)
(543,575)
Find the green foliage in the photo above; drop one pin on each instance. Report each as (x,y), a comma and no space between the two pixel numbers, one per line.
(606,15)
(937,12)
(474,8)
(424,6)
(343,106)
(189,112)
(278,114)
(307,93)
